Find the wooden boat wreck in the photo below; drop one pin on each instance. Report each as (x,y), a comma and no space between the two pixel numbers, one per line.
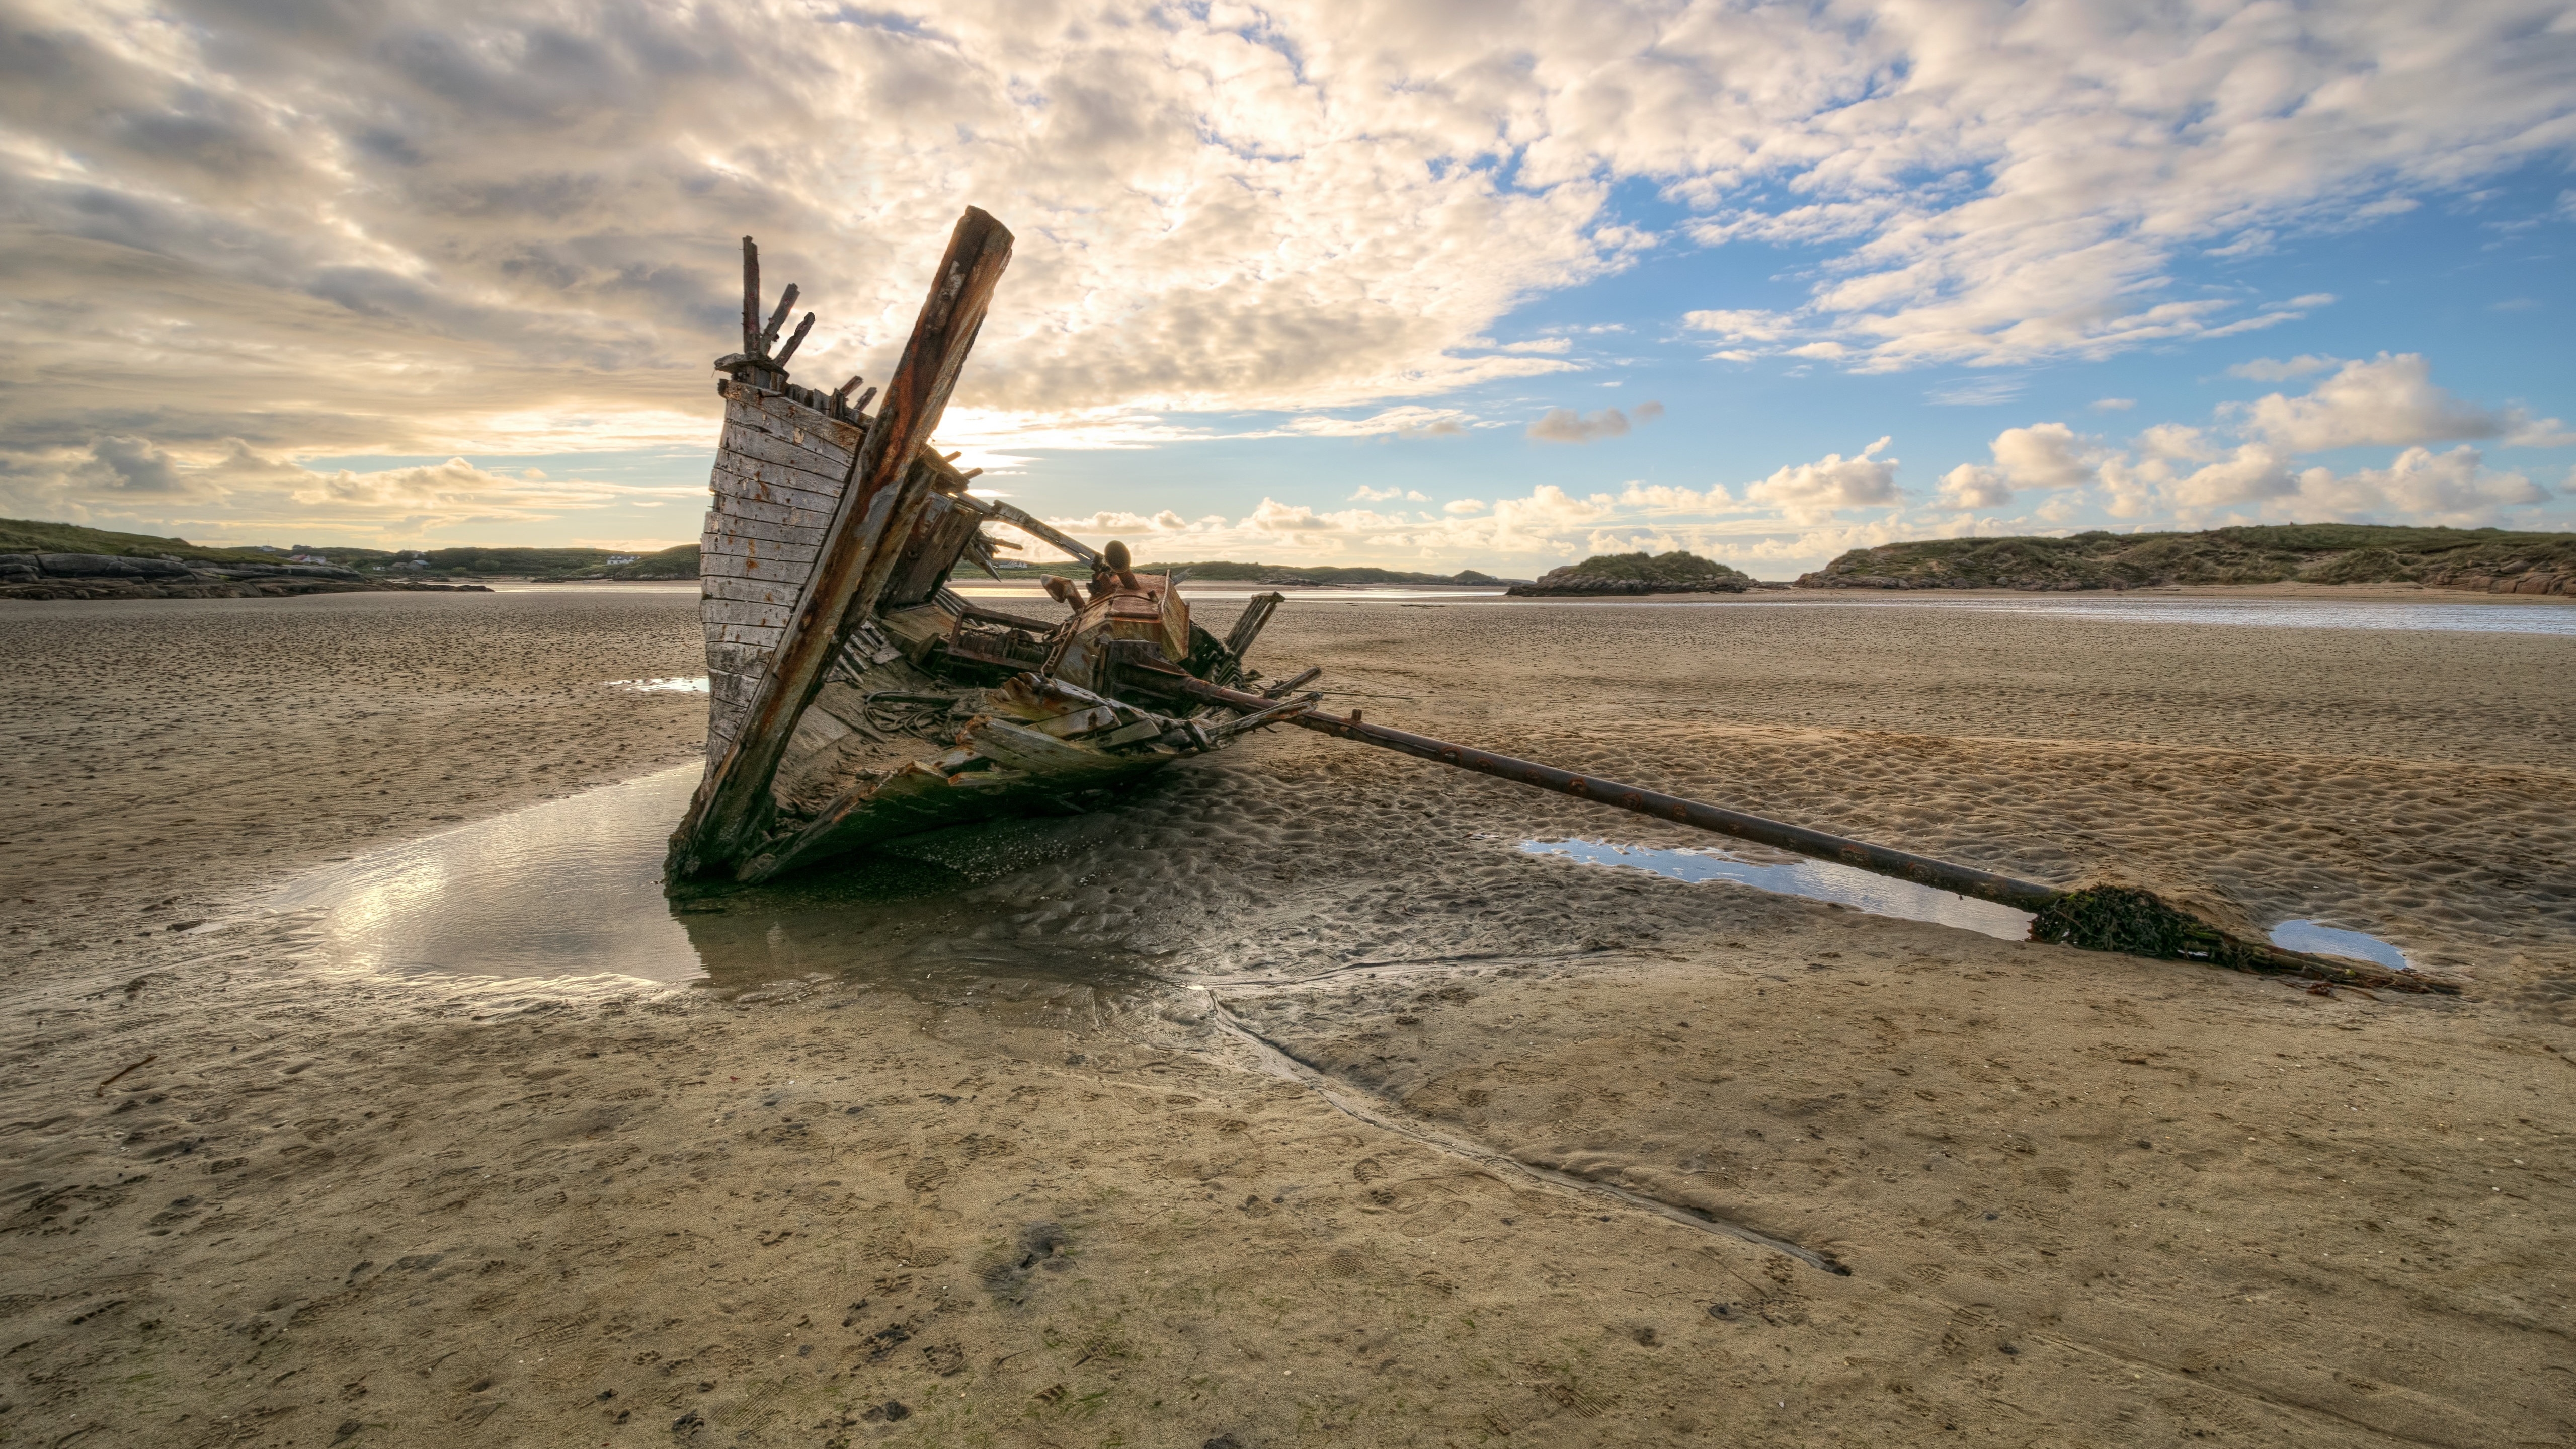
(856,698)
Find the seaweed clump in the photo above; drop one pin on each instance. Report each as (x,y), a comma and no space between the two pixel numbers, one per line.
(2139,923)
(2133,922)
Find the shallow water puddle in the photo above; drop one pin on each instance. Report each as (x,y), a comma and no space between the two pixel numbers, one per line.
(667,684)
(2319,940)
(1816,880)
(573,887)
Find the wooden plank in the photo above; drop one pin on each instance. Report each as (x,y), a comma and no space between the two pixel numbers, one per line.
(775,563)
(733,489)
(767,530)
(779,592)
(790,419)
(735,545)
(763,637)
(788,573)
(742,508)
(741,474)
(732,807)
(804,427)
(770,447)
(724,657)
(735,611)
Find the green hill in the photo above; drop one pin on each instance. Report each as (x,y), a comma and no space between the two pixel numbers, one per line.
(24,535)
(1637,573)
(20,535)
(2324,553)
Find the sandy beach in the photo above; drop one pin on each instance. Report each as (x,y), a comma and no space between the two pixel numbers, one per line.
(1292,1101)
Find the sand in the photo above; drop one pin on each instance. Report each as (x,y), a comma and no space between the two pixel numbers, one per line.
(1258,1109)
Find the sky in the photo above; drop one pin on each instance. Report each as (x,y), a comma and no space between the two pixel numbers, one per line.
(1437,284)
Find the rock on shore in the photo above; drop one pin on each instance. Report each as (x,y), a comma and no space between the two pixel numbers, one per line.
(1617,574)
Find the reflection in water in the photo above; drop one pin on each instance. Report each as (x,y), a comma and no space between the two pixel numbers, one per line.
(2319,940)
(1815,879)
(573,887)
(667,684)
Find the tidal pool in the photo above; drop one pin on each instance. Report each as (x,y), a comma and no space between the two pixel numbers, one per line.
(2319,940)
(573,888)
(1817,880)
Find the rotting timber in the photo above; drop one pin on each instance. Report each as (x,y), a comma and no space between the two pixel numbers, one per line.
(855,698)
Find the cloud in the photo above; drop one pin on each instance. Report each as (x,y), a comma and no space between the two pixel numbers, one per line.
(232,489)
(1745,326)
(1366,494)
(2114,404)
(1978,392)
(1814,492)
(2455,488)
(1398,422)
(1565,425)
(2043,456)
(2392,401)
(1463,506)
(2265,369)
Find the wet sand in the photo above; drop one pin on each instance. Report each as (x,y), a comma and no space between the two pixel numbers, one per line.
(1262,1107)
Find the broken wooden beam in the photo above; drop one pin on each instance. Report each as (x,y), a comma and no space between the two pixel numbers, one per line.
(750,297)
(1036,527)
(778,319)
(1247,627)
(796,341)
(1290,686)
(733,805)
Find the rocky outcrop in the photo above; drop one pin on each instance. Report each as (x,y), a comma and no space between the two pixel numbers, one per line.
(1630,574)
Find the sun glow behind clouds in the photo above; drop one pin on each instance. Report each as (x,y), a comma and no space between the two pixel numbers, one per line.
(237,234)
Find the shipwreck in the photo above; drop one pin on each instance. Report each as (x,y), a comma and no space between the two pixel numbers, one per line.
(856,698)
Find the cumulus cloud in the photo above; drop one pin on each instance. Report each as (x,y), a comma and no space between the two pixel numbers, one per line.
(2245,465)
(2041,456)
(2455,488)
(1565,425)
(1814,492)
(2392,401)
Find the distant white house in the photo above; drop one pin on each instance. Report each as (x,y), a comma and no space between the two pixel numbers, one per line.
(309,558)
(615,559)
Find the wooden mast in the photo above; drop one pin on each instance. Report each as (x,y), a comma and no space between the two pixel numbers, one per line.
(732,807)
